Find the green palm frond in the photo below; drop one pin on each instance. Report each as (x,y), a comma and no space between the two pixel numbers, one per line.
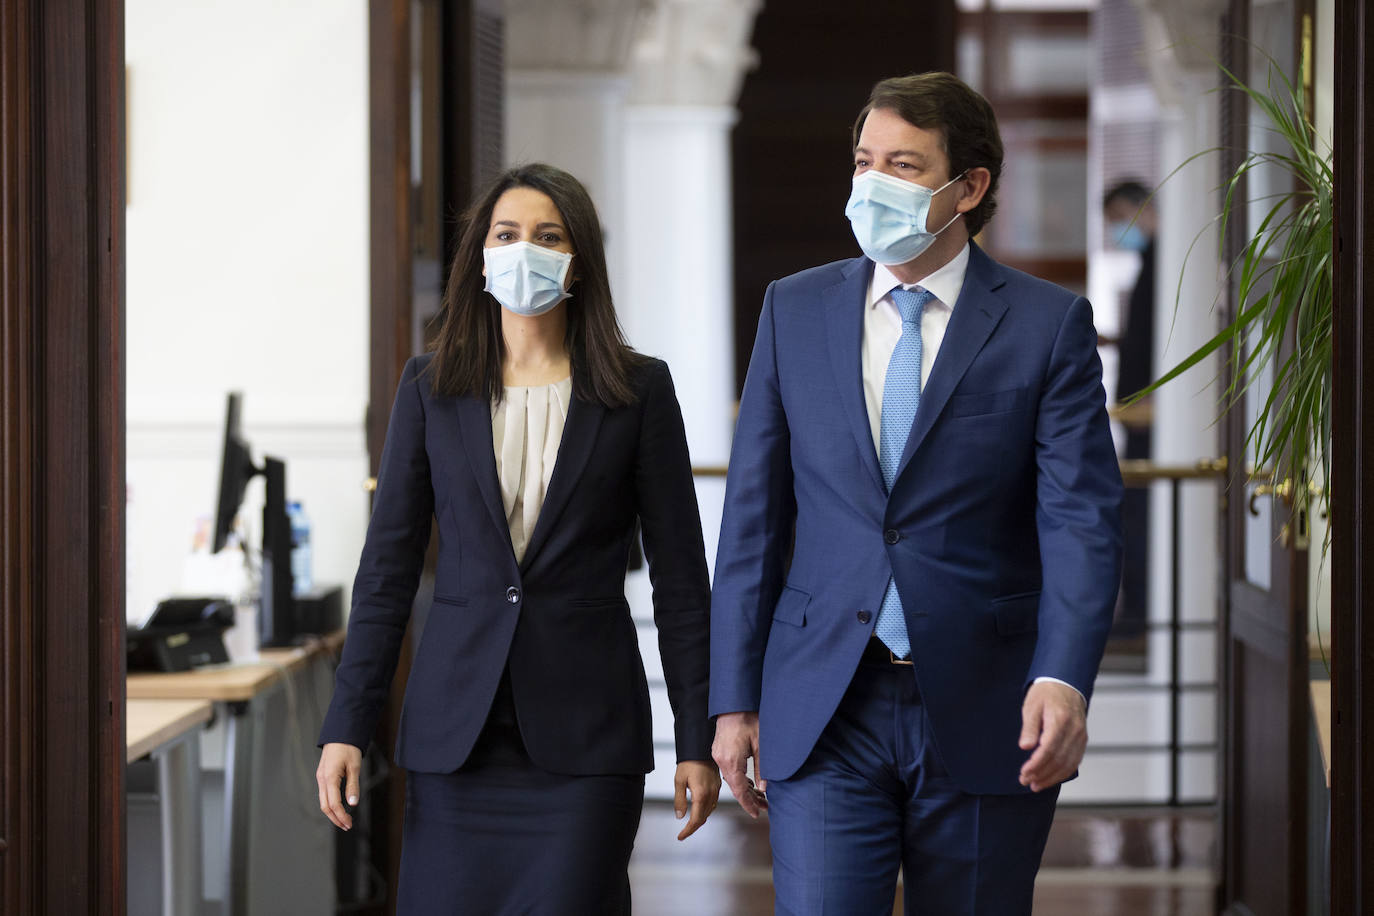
(1283,276)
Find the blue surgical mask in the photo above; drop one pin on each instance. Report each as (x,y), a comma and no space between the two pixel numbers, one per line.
(526,279)
(888,216)
(1128,236)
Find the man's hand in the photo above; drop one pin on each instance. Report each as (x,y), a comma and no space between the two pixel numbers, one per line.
(700,780)
(737,739)
(1054,724)
(339,763)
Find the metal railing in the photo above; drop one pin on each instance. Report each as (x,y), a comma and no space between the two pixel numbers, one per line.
(1144,474)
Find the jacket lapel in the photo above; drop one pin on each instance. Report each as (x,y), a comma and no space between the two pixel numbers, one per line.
(579,435)
(844,316)
(474,421)
(975,315)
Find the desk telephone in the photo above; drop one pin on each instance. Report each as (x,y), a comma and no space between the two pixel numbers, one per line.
(181,634)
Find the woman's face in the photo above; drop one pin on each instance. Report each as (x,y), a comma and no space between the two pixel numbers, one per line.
(527,215)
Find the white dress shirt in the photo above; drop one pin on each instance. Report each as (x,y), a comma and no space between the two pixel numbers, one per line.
(526,430)
(883,327)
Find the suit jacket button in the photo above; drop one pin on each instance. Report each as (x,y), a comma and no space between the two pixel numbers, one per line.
(892,535)
(513,595)
(864,616)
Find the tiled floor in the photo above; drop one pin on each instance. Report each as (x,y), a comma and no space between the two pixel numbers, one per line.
(1098,863)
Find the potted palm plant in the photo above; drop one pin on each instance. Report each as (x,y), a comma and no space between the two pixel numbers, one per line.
(1282,320)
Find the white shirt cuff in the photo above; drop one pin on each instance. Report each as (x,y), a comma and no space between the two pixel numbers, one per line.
(1056,680)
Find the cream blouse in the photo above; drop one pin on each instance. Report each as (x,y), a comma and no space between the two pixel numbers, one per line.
(526,429)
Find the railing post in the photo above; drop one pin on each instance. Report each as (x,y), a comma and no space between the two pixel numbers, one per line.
(1175,640)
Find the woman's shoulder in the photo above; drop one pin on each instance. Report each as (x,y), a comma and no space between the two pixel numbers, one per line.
(647,372)
(623,381)
(417,372)
(418,364)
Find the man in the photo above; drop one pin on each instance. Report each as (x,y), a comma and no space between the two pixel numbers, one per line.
(920,548)
(1131,224)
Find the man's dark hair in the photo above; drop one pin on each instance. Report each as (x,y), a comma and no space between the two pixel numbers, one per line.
(1129,191)
(968,128)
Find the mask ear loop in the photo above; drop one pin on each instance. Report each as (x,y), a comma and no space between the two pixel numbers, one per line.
(962,175)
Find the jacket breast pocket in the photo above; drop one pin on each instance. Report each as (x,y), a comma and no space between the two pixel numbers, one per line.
(791,606)
(987,403)
(1017,614)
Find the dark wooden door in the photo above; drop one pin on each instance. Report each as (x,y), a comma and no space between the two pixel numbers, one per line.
(452,52)
(1264,662)
(62,457)
(1352,471)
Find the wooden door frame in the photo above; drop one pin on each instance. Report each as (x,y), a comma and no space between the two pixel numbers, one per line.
(62,485)
(1252,632)
(1352,466)
(465,158)
(389,61)
(389,196)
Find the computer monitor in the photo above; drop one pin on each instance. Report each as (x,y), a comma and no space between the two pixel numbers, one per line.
(235,470)
(276,612)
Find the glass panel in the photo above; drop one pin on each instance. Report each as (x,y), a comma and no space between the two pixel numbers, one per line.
(1049,64)
(969,59)
(1043,194)
(1271,29)
(1259,528)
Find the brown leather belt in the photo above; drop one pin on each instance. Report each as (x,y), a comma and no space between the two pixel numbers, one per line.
(877,653)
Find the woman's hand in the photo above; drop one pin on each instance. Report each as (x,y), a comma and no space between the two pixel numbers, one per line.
(338,763)
(701,780)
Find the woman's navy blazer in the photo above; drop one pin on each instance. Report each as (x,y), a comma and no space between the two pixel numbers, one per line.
(559,617)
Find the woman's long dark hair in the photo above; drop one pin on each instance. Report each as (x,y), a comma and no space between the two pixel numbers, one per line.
(469,351)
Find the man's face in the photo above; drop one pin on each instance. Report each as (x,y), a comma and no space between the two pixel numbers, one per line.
(1123,212)
(891,145)
(1120,211)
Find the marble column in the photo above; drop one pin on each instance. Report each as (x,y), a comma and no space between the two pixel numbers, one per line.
(566,83)
(574,120)
(686,68)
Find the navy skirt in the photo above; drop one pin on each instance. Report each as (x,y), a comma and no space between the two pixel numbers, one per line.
(501,836)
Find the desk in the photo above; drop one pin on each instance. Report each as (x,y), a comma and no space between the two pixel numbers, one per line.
(231,683)
(167,731)
(268,849)
(153,726)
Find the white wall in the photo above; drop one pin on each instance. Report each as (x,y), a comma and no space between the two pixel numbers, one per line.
(247,267)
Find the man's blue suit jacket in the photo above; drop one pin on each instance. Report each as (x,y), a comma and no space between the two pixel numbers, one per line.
(1002,528)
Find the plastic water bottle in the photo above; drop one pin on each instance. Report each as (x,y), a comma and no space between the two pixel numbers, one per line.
(302,580)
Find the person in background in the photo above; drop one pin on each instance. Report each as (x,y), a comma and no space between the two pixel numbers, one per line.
(920,547)
(1131,224)
(535,438)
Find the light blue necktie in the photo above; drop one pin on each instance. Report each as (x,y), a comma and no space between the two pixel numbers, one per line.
(901,397)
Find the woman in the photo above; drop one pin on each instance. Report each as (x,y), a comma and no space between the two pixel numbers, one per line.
(535,437)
